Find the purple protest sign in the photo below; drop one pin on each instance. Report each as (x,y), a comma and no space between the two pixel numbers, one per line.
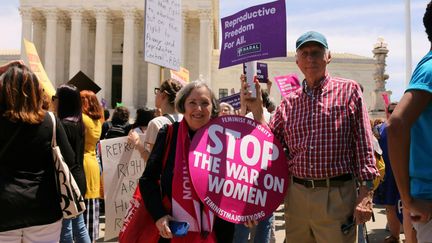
(255,33)
(262,72)
(233,100)
(287,83)
(238,169)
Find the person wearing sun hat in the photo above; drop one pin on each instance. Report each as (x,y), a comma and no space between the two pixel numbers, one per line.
(325,128)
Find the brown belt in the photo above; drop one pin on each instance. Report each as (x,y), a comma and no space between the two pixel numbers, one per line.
(329,182)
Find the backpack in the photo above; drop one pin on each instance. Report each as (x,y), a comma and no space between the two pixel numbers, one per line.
(117,130)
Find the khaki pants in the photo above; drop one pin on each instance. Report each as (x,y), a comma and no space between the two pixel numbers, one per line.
(317,214)
(47,233)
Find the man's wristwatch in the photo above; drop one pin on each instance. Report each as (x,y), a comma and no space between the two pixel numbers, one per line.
(368,184)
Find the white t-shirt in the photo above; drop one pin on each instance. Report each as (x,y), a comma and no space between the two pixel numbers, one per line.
(156,124)
(267,115)
(139,131)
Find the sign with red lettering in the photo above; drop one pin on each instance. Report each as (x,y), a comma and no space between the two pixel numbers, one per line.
(238,169)
(36,66)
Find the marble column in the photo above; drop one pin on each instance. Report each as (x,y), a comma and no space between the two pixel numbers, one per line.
(66,47)
(153,81)
(75,44)
(51,43)
(139,45)
(26,28)
(85,29)
(215,24)
(128,57)
(108,63)
(38,33)
(205,46)
(90,64)
(60,52)
(101,50)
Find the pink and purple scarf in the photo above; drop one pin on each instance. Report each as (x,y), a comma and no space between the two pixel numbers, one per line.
(186,205)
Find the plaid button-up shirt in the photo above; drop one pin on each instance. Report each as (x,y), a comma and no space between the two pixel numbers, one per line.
(326,131)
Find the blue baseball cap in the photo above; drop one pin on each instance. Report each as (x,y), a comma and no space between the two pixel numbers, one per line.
(311,36)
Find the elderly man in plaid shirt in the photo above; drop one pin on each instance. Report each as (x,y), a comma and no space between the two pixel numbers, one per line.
(325,128)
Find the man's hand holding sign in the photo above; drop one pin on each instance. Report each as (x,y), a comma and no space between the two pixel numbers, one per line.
(238,169)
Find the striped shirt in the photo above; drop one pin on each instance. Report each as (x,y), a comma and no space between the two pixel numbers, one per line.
(326,131)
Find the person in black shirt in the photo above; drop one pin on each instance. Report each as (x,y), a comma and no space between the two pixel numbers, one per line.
(29,200)
(67,104)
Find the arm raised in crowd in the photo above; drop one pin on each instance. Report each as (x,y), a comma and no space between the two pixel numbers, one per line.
(254,105)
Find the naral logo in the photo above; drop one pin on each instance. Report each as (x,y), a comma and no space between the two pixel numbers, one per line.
(256,47)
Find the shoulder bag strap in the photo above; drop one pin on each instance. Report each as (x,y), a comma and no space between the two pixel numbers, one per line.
(54,139)
(166,202)
(169,118)
(167,145)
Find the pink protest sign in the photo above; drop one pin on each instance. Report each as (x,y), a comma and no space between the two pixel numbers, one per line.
(287,83)
(386,99)
(238,169)
(386,102)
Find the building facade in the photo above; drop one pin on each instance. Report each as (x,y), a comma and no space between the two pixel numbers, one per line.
(104,39)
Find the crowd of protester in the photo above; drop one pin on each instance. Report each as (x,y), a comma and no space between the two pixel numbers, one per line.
(333,183)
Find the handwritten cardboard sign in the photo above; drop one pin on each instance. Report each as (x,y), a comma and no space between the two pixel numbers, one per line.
(238,169)
(123,166)
(162,33)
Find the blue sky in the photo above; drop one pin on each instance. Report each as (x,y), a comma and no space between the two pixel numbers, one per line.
(351,26)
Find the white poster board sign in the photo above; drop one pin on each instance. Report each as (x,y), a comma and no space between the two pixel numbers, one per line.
(162,33)
(123,166)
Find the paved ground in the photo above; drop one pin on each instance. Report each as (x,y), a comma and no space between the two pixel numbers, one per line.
(376,230)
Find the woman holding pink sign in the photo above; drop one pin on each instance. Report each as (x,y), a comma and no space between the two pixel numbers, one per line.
(170,179)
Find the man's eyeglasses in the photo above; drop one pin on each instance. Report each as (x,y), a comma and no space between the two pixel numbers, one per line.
(313,54)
